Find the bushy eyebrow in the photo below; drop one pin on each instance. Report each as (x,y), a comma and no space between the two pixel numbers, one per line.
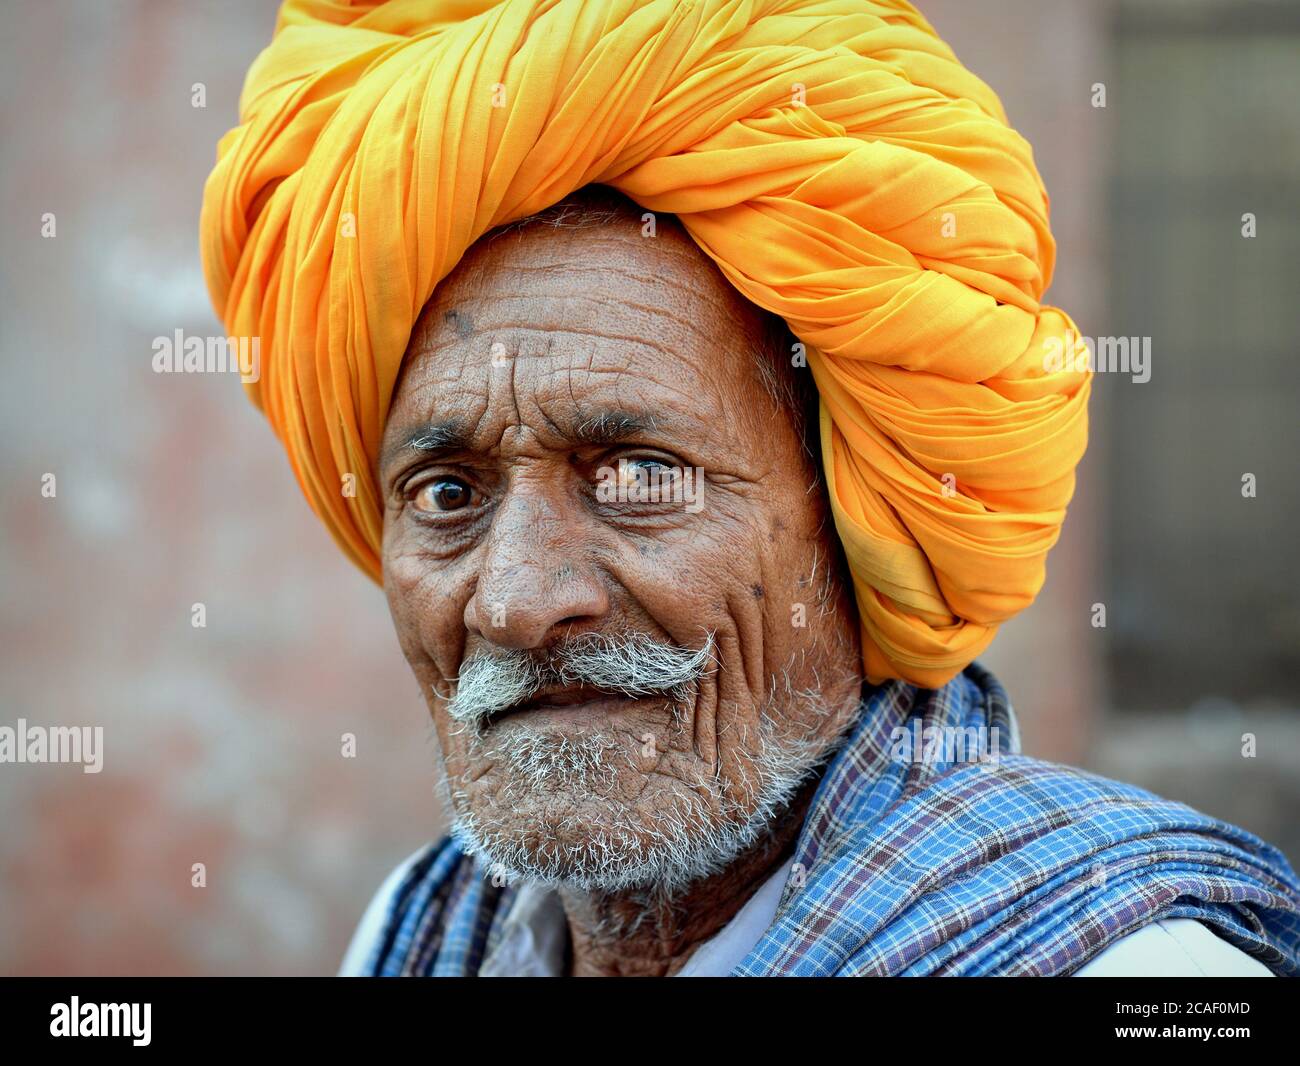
(602,428)
(612,427)
(447,436)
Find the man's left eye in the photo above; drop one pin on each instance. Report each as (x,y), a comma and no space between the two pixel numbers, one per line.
(647,471)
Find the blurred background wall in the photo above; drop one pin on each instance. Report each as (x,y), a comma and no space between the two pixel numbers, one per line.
(223,743)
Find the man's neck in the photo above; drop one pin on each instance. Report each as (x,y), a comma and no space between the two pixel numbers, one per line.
(632,935)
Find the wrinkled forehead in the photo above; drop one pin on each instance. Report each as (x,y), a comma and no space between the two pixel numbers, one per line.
(559,321)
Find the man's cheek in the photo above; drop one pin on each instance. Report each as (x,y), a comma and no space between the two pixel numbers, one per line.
(685,587)
(739,747)
(405,565)
(428,609)
(404,578)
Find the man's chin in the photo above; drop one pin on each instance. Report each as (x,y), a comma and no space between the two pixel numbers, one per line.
(594,846)
(556,769)
(592,861)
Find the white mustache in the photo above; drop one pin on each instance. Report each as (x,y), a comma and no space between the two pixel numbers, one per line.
(632,665)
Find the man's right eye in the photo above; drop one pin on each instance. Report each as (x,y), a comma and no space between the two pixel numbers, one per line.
(443,494)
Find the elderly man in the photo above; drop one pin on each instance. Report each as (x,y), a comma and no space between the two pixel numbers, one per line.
(680,368)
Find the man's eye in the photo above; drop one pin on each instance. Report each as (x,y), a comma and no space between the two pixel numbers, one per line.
(444,494)
(646,471)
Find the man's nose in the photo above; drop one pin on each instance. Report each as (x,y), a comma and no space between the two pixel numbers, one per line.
(534,578)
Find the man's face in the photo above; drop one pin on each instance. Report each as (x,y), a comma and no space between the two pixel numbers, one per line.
(604,560)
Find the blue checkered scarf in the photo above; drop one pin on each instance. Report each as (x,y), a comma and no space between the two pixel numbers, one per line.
(922,855)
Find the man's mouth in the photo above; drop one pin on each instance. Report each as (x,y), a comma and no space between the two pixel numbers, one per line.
(568,702)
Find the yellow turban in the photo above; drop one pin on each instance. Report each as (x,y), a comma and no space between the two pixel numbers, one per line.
(831,156)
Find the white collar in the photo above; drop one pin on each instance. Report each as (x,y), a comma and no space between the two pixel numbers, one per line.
(535,935)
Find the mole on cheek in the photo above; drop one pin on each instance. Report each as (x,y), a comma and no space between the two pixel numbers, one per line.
(460,322)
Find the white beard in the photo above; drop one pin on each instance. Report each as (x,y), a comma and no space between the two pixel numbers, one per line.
(702,831)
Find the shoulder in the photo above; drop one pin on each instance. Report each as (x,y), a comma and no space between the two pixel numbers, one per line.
(1029,791)
(365,940)
(1173,947)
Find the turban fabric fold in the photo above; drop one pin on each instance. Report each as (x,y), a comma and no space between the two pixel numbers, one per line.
(832,157)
